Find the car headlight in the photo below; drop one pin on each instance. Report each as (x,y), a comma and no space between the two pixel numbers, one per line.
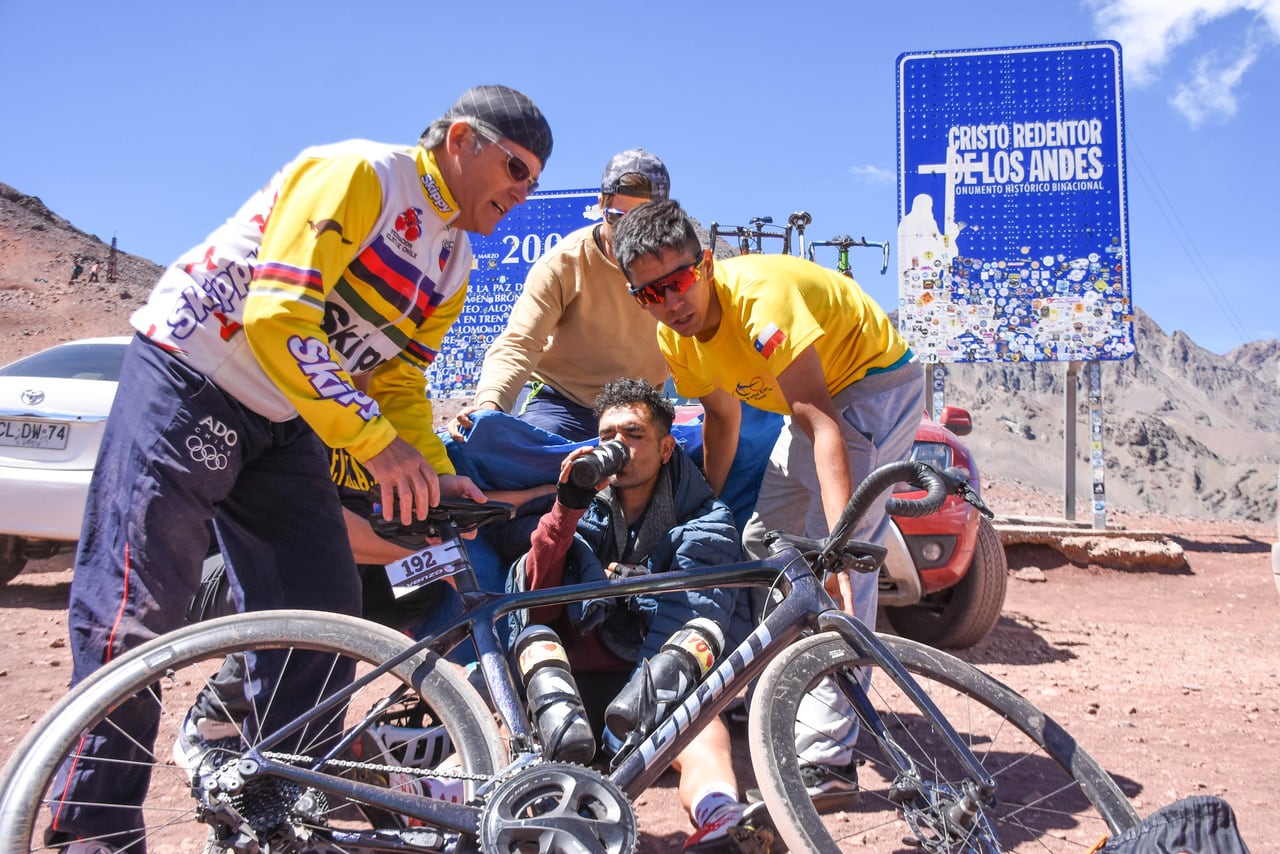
(936,454)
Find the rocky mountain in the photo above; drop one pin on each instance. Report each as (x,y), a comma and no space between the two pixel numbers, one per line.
(1185,431)
(39,304)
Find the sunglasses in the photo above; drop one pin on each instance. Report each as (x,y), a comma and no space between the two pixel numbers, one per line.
(516,167)
(677,281)
(613,215)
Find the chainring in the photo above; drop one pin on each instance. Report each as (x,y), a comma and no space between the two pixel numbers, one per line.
(558,808)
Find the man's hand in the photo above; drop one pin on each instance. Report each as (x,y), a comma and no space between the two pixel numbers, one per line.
(462,421)
(567,492)
(841,589)
(400,469)
(625,570)
(461,486)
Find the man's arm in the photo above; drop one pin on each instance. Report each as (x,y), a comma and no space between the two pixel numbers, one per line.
(550,542)
(812,410)
(296,268)
(722,418)
(512,358)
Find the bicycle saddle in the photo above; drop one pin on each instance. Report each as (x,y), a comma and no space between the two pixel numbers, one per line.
(462,514)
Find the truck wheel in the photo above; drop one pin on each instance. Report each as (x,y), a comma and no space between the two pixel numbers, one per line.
(962,615)
(11,558)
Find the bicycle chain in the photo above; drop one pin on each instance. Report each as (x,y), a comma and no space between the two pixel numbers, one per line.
(300,759)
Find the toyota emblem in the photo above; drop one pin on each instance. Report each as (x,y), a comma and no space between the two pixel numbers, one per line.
(32,396)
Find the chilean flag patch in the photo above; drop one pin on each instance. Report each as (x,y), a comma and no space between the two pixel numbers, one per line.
(768,340)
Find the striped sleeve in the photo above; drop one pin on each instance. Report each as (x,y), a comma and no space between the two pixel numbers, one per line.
(400,385)
(324,210)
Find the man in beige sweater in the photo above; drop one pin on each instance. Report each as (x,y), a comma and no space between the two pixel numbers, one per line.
(575,328)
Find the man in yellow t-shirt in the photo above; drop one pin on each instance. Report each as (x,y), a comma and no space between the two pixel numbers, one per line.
(782,334)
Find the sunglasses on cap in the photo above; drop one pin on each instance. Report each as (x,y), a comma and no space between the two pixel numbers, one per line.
(678,281)
(516,167)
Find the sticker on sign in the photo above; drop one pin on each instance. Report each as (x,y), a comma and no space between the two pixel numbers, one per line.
(51,435)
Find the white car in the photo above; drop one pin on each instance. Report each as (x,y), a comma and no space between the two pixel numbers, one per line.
(53,409)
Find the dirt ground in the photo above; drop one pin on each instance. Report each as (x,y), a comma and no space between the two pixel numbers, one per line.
(1171,679)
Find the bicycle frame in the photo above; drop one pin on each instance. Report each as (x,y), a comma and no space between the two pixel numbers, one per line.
(805,605)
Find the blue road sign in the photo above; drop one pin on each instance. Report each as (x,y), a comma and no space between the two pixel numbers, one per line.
(1012,221)
(502,261)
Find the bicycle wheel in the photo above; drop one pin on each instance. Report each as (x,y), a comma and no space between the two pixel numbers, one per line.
(1050,795)
(167,674)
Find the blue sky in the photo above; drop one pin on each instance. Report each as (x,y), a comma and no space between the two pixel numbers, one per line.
(152,121)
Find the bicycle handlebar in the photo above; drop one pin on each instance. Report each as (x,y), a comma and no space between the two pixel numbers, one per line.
(844,242)
(918,474)
(755,231)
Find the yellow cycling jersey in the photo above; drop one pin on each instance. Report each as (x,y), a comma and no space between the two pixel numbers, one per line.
(344,264)
(772,308)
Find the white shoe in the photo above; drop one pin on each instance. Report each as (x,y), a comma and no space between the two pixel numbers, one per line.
(198,739)
(829,779)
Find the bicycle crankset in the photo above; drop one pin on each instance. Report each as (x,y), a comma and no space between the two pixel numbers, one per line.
(555,807)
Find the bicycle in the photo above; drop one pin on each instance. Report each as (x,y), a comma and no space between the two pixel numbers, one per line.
(935,763)
(750,238)
(842,243)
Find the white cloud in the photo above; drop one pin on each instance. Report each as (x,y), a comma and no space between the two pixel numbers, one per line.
(1151,31)
(1210,92)
(873,174)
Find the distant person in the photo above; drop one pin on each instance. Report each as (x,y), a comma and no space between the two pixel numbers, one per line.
(76,270)
(352,262)
(93,272)
(786,335)
(574,328)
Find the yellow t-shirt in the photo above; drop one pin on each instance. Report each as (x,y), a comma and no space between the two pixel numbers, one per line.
(772,308)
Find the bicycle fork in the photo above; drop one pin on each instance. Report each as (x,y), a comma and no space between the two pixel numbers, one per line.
(937,812)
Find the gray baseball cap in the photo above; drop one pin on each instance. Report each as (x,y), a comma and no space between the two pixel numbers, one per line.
(508,113)
(640,162)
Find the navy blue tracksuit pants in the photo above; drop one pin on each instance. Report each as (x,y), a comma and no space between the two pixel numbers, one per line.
(179,452)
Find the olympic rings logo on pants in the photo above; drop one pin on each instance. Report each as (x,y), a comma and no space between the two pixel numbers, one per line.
(203,452)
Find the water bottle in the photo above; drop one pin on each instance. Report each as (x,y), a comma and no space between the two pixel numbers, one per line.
(555,706)
(684,659)
(605,459)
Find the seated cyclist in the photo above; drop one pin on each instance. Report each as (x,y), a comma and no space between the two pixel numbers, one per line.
(656,514)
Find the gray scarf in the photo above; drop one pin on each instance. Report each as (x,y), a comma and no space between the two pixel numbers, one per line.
(658,520)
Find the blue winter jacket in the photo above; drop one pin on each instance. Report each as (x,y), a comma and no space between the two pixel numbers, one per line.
(502,452)
(706,537)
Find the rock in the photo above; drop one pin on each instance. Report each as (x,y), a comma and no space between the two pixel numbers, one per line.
(1031,573)
(1123,552)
